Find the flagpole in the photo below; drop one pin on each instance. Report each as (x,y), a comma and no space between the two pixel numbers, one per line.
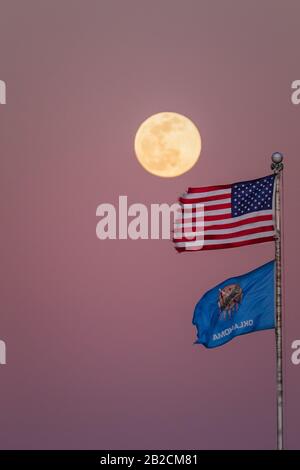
(277,167)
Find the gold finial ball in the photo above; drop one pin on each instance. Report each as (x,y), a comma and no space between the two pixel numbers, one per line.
(277,157)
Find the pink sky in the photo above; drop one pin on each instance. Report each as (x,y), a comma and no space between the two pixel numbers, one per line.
(99,336)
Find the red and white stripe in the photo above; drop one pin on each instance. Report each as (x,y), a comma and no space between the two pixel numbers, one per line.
(215,228)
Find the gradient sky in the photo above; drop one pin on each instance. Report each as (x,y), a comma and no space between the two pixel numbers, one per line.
(99,336)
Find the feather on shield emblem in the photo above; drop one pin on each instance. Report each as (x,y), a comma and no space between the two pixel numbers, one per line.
(229,300)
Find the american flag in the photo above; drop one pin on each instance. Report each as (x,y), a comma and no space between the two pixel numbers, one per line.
(226,216)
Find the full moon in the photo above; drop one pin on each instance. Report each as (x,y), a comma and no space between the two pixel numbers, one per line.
(167,144)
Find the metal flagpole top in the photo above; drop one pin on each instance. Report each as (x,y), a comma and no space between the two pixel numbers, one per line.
(277,165)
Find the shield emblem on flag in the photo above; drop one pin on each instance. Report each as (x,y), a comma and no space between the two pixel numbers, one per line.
(229,299)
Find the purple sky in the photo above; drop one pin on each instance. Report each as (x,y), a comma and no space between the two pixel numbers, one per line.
(99,335)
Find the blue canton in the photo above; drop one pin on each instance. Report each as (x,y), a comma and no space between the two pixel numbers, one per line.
(252,196)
